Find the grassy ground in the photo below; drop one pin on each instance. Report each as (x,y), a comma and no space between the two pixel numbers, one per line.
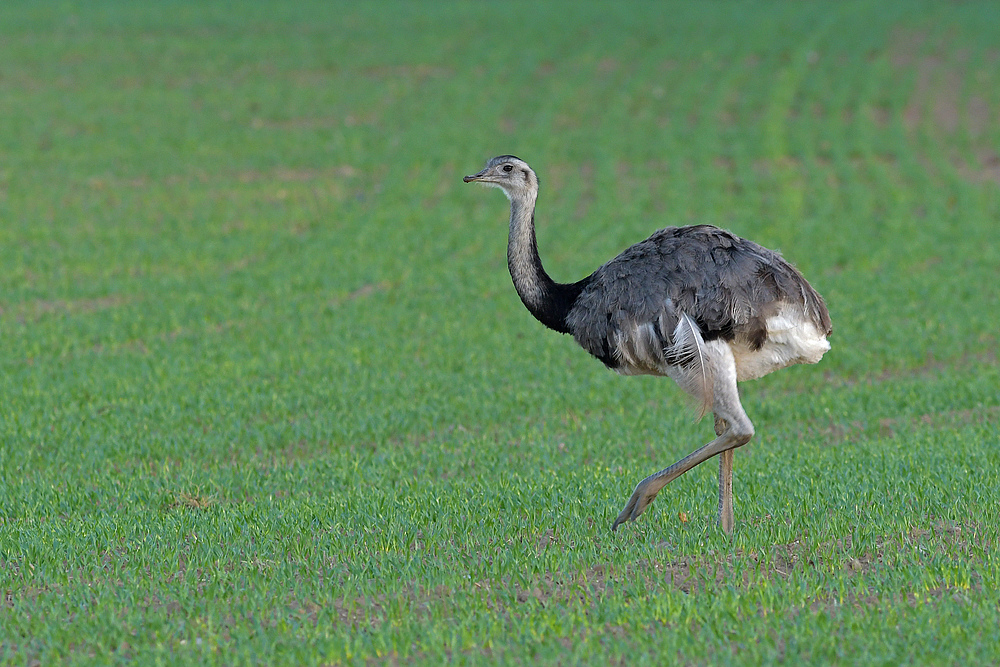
(269,396)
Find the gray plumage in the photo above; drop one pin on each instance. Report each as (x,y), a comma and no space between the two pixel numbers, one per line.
(726,285)
(697,304)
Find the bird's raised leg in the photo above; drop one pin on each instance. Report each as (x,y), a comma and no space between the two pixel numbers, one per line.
(726,520)
(727,407)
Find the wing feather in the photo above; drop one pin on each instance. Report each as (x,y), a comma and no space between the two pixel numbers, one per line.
(726,286)
(687,354)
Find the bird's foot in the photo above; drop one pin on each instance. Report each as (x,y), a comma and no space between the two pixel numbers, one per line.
(645,492)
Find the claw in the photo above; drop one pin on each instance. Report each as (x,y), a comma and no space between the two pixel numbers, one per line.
(636,505)
(623,516)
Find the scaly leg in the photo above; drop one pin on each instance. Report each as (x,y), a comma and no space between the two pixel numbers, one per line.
(726,520)
(737,432)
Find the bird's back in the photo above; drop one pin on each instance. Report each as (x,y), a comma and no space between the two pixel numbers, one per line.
(732,289)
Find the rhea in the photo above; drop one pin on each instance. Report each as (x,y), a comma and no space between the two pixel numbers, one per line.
(696,304)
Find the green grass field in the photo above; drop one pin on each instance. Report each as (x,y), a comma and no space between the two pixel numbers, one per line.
(268,396)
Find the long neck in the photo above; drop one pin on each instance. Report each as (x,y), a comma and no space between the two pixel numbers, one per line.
(549,301)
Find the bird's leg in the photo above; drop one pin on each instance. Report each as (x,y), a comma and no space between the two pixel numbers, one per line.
(725,481)
(726,520)
(736,431)
(720,425)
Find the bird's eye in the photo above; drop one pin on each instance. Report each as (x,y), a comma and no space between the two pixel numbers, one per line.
(507,167)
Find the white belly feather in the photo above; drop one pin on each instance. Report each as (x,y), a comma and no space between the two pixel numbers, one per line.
(791,339)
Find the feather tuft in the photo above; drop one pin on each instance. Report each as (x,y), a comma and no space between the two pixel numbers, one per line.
(687,354)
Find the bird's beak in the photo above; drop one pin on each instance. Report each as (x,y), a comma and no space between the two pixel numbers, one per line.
(474,177)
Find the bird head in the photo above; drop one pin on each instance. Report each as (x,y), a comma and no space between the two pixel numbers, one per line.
(510,174)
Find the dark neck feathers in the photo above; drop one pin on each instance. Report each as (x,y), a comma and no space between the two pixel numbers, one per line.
(549,301)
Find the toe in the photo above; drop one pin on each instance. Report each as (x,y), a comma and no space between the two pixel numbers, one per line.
(625,514)
(634,507)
